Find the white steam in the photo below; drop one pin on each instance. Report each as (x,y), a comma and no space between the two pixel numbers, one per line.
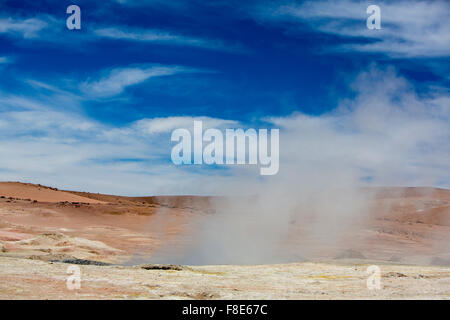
(386,136)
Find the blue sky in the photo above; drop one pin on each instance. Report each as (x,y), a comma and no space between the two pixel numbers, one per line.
(78,102)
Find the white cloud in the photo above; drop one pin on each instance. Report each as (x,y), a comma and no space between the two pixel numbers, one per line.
(27,28)
(165,125)
(44,143)
(165,37)
(141,35)
(409,28)
(116,80)
(386,135)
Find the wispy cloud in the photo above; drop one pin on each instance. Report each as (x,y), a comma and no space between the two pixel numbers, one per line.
(409,28)
(167,124)
(33,29)
(165,37)
(26,28)
(115,81)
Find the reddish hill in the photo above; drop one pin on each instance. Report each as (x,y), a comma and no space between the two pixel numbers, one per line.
(40,193)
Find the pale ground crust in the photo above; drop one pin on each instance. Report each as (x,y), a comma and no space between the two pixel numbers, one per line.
(32,279)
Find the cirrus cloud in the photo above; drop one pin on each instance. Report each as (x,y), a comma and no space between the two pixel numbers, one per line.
(408,28)
(115,81)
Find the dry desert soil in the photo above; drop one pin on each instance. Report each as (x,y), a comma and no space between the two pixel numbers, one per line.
(43,231)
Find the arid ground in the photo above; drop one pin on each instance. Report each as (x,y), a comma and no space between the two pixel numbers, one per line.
(44,230)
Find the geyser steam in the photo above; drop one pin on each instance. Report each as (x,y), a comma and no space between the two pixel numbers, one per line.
(385,136)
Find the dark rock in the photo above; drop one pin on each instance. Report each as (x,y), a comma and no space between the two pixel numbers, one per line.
(161,267)
(83,262)
(395,275)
